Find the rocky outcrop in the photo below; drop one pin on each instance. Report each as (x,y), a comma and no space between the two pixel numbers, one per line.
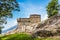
(50,27)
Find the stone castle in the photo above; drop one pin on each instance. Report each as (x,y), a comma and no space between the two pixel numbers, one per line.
(27,24)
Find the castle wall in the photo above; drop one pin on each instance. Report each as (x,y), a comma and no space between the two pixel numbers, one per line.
(27,24)
(35,18)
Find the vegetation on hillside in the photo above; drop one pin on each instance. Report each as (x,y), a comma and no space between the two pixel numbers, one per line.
(21,36)
(52,8)
(24,36)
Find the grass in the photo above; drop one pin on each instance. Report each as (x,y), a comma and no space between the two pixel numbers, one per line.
(21,36)
(24,36)
(47,39)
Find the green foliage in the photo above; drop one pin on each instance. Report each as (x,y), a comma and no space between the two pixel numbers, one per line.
(54,12)
(6,8)
(2,21)
(47,38)
(52,8)
(17,37)
(24,36)
(37,39)
(0,30)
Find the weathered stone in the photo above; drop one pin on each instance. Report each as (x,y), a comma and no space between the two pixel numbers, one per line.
(28,24)
(50,26)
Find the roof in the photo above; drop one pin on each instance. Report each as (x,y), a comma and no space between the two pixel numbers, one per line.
(34,15)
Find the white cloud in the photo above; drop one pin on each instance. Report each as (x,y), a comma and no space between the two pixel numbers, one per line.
(45,17)
(33,9)
(10,23)
(39,10)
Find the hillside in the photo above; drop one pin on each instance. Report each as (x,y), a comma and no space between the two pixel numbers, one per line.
(50,27)
(24,36)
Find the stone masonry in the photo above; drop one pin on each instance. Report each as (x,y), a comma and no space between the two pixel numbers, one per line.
(28,24)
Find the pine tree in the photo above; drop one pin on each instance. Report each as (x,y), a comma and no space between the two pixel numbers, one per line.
(52,8)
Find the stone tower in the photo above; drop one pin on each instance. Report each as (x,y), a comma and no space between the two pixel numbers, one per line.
(35,18)
(28,24)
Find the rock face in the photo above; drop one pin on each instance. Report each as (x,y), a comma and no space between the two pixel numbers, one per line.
(50,27)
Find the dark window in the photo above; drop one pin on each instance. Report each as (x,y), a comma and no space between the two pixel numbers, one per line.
(28,21)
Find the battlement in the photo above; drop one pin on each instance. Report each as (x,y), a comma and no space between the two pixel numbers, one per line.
(33,17)
(23,19)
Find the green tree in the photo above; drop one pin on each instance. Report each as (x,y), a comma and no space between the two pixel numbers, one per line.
(6,8)
(2,21)
(52,8)
(0,30)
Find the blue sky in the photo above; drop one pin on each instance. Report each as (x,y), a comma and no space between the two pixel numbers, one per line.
(28,7)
